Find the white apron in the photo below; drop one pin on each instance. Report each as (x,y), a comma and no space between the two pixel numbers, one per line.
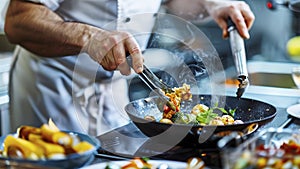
(77,97)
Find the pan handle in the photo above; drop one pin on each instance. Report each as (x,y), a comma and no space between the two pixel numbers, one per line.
(231,140)
(235,138)
(286,123)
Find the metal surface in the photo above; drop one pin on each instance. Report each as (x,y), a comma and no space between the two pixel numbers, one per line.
(262,88)
(157,86)
(150,78)
(239,56)
(280,80)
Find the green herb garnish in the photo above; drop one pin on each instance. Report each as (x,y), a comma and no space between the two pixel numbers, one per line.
(210,114)
(206,117)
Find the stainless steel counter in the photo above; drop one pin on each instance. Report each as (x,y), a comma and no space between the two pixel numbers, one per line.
(280,95)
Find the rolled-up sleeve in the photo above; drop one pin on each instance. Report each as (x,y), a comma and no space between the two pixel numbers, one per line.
(51,4)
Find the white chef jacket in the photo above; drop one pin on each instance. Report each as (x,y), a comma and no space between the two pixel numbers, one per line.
(74,91)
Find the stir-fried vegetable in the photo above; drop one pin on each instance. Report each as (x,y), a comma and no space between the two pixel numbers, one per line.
(200,114)
(211,115)
(206,117)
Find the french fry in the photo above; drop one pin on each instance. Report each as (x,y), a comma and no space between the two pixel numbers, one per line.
(34,137)
(52,125)
(50,149)
(82,147)
(21,148)
(54,136)
(24,131)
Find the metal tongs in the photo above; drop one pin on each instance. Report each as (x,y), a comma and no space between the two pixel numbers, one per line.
(239,56)
(156,85)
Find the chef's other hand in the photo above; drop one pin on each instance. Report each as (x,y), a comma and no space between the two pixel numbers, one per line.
(109,48)
(238,11)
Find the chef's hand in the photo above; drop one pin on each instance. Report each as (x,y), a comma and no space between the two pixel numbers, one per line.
(238,11)
(109,48)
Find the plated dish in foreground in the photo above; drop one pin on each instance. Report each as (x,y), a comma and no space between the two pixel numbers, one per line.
(47,146)
(294,110)
(271,148)
(144,163)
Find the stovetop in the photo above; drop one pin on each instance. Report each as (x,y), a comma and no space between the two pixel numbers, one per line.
(128,142)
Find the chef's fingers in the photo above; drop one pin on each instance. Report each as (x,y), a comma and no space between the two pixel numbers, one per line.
(240,13)
(240,25)
(105,63)
(123,67)
(118,52)
(110,60)
(249,17)
(118,49)
(113,48)
(115,51)
(243,18)
(238,20)
(136,54)
(222,22)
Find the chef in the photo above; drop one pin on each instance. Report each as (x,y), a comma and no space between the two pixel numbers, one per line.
(70,56)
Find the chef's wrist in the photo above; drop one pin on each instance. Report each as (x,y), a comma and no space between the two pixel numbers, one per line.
(88,36)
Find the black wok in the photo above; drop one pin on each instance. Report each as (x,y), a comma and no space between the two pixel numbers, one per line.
(248,110)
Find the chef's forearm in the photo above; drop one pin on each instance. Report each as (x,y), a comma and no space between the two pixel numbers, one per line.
(43,32)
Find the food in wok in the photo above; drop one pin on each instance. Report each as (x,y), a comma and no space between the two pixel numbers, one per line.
(147,115)
(201,114)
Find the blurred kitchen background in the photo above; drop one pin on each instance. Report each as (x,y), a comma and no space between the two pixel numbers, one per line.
(269,35)
(6,52)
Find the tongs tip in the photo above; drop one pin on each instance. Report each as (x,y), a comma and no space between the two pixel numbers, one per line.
(244,82)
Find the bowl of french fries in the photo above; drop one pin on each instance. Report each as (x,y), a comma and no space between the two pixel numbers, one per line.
(48,147)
